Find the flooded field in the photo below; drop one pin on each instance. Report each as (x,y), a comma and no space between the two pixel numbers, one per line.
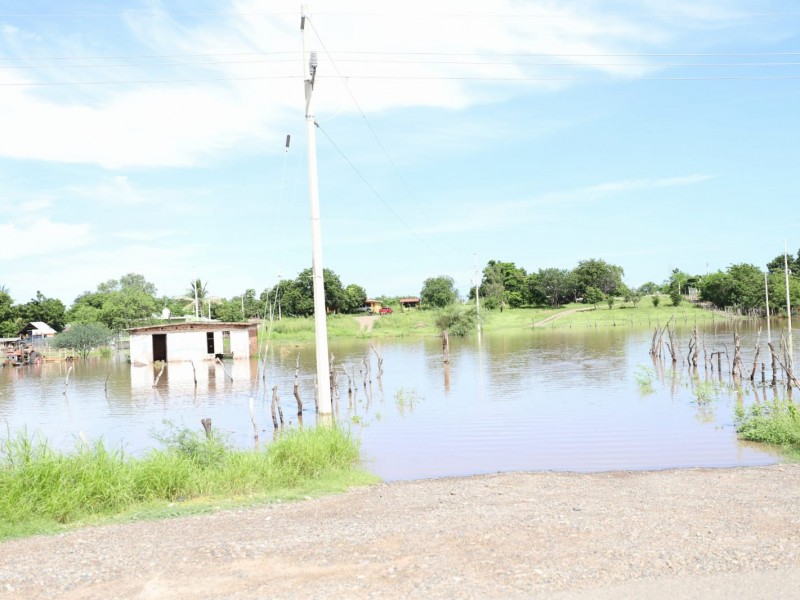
(577,400)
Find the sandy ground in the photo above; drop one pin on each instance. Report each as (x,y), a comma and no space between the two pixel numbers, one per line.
(701,533)
(366,323)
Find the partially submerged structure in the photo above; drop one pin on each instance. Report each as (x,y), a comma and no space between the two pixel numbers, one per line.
(192,341)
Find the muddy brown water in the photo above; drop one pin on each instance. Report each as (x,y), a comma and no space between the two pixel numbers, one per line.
(562,400)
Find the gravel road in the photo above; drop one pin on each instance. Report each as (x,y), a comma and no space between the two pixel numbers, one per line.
(699,533)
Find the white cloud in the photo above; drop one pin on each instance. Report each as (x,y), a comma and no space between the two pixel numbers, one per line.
(183,124)
(41,237)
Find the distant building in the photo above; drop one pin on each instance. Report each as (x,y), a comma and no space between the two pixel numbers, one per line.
(373,305)
(192,341)
(36,329)
(409,302)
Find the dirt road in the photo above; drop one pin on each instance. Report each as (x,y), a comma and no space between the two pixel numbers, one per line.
(559,315)
(518,535)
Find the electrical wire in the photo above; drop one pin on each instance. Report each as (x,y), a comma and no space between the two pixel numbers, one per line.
(408,78)
(374,191)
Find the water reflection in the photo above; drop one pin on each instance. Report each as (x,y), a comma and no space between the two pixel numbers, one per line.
(541,399)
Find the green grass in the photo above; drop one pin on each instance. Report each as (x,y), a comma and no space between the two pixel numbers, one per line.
(776,422)
(415,322)
(43,490)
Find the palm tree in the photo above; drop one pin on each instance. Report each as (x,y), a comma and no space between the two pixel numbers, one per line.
(197,292)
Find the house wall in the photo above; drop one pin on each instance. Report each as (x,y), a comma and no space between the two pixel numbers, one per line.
(240,343)
(141,349)
(191,345)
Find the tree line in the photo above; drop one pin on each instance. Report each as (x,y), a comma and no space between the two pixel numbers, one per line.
(592,281)
(131,300)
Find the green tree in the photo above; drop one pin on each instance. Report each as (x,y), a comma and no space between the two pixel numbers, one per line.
(741,286)
(10,324)
(748,285)
(503,282)
(117,303)
(592,295)
(47,310)
(354,298)
(196,295)
(717,288)
(554,284)
(296,296)
(649,288)
(633,295)
(777,292)
(457,320)
(598,274)
(675,296)
(83,337)
(438,292)
(228,310)
(776,265)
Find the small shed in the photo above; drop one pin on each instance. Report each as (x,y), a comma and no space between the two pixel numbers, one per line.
(409,302)
(36,329)
(373,305)
(192,341)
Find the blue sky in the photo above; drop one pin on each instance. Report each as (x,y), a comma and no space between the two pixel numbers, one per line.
(148,137)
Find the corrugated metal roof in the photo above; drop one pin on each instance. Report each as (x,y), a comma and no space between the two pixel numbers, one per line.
(43,327)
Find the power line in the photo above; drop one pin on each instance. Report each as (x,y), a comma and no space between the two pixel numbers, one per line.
(416,14)
(436,54)
(373,190)
(407,78)
(371,129)
(432,62)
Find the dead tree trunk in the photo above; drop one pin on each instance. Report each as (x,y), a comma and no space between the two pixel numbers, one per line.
(297,386)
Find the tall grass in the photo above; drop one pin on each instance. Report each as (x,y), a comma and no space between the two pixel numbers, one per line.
(42,488)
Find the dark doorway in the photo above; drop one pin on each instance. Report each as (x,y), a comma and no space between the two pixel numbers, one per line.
(210,342)
(160,347)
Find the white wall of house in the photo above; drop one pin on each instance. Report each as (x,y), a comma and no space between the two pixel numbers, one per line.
(141,349)
(188,345)
(240,343)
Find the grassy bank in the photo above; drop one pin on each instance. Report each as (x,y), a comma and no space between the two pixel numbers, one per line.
(776,422)
(43,490)
(422,322)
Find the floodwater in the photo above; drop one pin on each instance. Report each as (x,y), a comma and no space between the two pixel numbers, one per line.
(535,400)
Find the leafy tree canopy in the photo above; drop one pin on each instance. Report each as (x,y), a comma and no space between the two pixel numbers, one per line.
(48,310)
(83,337)
(296,296)
(438,292)
(597,273)
(592,295)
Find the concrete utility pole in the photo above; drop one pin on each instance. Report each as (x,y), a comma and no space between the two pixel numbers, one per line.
(477,293)
(788,307)
(766,295)
(320,320)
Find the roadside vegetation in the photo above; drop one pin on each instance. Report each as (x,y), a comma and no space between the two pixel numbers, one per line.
(776,422)
(43,490)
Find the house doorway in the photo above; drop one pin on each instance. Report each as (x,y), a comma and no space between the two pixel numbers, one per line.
(210,342)
(160,347)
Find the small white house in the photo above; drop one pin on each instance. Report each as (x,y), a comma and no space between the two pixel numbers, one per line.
(192,341)
(36,329)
